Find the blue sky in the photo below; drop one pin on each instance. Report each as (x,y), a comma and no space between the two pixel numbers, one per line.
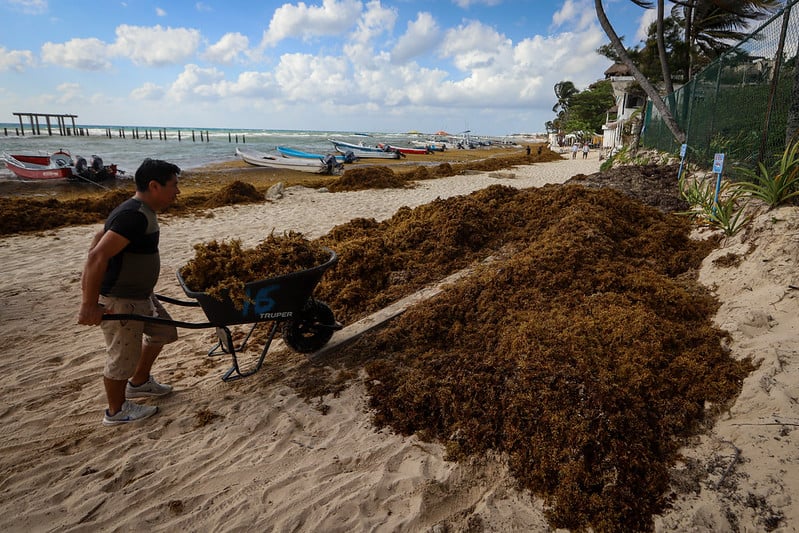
(346,65)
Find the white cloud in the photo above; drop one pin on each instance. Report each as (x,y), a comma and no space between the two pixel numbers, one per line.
(303,77)
(576,15)
(29,7)
(69,92)
(253,85)
(156,46)
(374,21)
(228,49)
(16,60)
(422,35)
(466,3)
(160,12)
(81,54)
(400,86)
(332,18)
(148,91)
(209,84)
(649,16)
(475,46)
(195,81)
(203,7)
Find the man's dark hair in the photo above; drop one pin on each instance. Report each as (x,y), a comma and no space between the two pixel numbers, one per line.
(154,169)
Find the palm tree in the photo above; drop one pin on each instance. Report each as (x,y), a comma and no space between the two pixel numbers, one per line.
(564,91)
(710,25)
(645,84)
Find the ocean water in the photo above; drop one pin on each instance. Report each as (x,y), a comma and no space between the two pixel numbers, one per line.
(217,145)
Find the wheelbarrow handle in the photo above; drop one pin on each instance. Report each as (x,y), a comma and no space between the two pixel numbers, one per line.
(185,303)
(157,320)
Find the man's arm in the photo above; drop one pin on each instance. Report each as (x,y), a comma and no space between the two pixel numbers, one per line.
(104,247)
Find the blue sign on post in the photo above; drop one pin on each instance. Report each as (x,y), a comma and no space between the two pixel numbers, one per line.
(683,150)
(718,165)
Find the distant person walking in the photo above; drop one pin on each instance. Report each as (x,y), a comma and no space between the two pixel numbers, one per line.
(585,150)
(575,147)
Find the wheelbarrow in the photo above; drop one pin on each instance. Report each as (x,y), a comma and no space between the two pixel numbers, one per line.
(287,301)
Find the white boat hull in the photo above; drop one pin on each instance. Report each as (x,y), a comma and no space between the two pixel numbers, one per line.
(265,160)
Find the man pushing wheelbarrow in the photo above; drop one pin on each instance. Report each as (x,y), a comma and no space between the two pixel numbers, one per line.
(119,277)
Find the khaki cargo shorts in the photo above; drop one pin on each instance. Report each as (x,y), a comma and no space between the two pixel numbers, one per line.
(123,338)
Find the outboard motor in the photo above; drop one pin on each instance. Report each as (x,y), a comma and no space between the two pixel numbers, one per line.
(81,167)
(349,156)
(96,163)
(331,162)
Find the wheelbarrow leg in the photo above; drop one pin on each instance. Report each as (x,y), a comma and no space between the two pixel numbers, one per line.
(234,372)
(227,346)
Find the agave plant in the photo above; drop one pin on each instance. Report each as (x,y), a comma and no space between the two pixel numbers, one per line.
(698,192)
(778,185)
(727,212)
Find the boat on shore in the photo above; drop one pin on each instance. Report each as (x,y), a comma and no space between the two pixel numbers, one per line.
(285,151)
(435,146)
(319,166)
(364,152)
(405,150)
(59,165)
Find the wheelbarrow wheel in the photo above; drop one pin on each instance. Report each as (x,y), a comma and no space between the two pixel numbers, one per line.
(311,329)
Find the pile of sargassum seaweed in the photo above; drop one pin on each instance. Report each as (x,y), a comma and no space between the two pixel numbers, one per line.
(582,351)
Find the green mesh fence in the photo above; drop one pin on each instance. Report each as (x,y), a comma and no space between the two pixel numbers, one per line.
(739,104)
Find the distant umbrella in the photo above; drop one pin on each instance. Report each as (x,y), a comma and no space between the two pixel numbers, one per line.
(442,132)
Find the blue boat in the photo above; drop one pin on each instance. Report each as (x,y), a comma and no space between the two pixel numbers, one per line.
(285,151)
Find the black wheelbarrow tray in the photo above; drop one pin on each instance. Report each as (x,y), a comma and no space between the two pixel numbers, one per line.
(308,323)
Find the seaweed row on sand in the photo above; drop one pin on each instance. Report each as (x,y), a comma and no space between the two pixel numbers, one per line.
(24,213)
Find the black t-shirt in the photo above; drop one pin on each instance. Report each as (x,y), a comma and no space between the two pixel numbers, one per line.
(134,271)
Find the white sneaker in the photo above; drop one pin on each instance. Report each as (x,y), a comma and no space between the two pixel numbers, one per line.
(147,389)
(130,412)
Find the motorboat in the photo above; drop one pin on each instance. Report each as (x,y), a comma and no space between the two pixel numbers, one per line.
(364,152)
(285,151)
(59,165)
(260,159)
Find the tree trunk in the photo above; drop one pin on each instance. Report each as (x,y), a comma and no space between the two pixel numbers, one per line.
(645,84)
(636,125)
(664,60)
(689,28)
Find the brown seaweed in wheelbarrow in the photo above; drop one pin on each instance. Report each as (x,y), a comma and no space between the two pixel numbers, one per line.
(287,300)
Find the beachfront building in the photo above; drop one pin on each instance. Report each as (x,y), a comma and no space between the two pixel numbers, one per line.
(628,102)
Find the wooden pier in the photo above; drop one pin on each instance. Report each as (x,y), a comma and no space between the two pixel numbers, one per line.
(63,129)
(33,118)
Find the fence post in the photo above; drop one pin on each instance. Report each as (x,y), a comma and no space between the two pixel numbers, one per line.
(786,15)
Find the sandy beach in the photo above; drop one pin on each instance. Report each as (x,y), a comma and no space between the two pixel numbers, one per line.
(251,455)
